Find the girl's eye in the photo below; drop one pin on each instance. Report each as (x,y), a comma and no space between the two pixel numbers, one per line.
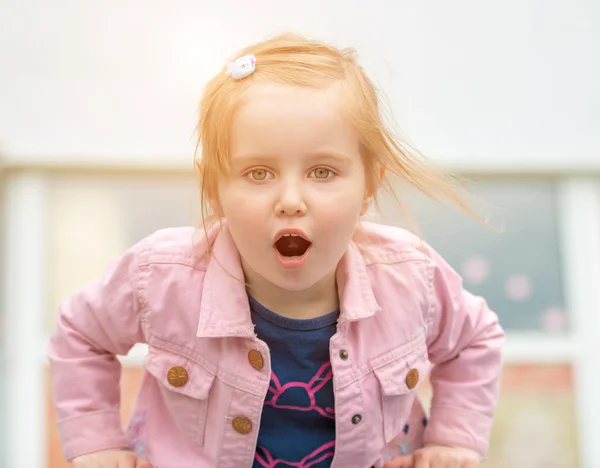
(259,174)
(322,173)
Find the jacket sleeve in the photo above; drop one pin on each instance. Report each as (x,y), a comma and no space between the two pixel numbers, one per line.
(99,322)
(464,344)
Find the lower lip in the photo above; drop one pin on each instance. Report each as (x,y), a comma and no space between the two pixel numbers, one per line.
(292,262)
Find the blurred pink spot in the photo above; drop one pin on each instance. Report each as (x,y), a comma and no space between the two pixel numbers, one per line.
(519,288)
(476,269)
(554,319)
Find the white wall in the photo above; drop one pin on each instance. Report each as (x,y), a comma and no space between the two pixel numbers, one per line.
(512,84)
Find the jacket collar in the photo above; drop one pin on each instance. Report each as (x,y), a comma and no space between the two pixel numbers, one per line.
(225,311)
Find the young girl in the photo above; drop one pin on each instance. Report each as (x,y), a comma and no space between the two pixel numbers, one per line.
(287,332)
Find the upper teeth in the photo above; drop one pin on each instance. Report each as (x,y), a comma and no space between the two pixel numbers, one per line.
(288,235)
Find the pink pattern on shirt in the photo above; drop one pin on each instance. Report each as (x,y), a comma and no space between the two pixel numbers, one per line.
(323,452)
(312,387)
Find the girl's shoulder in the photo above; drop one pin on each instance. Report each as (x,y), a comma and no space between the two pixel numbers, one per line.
(384,243)
(185,245)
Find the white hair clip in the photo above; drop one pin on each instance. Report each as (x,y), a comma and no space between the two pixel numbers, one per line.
(242,67)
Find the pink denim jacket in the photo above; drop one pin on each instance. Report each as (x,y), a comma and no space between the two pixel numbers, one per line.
(402,310)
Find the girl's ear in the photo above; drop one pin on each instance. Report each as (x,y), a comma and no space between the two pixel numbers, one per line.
(215,206)
(370,194)
(218,210)
(366,203)
(216,203)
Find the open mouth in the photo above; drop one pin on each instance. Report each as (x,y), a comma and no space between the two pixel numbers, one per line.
(292,245)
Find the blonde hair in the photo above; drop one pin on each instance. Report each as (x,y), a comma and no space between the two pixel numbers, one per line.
(293,59)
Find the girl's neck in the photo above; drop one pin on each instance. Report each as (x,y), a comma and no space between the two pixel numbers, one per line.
(318,300)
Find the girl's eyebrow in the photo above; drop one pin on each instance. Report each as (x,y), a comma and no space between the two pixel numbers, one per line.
(265,158)
(331,155)
(253,158)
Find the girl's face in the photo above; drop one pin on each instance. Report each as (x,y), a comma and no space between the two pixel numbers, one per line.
(297,185)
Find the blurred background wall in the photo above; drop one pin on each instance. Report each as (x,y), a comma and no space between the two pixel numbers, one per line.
(97,113)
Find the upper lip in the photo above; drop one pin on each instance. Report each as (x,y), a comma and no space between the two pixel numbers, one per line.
(296,232)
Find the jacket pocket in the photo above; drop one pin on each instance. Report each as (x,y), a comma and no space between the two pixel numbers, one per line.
(399,380)
(184,387)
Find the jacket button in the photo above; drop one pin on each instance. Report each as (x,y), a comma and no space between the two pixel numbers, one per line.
(356,419)
(344,355)
(242,424)
(412,378)
(255,359)
(177,376)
